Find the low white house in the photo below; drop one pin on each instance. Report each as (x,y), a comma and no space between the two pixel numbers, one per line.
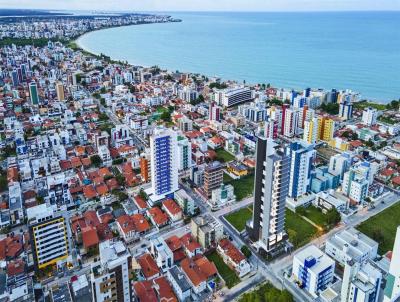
(233,257)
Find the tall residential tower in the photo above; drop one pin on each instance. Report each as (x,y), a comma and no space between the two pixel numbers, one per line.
(271,187)
(164,163)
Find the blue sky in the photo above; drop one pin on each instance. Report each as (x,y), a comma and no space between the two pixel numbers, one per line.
(194,5)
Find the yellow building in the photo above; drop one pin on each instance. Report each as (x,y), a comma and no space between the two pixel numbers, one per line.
(310,134)
(237,169)
(339,144)
(48,234)
(326,128)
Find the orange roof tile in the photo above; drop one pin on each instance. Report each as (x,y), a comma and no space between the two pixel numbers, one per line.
(140,222)
(231,251)
(89,192)
(164,289)
(144,291)
(89,237)
(148,265)
(102,189)
(172,206)
(159,217)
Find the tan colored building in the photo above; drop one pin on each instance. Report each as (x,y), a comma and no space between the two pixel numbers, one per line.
(206,230)
(60,91)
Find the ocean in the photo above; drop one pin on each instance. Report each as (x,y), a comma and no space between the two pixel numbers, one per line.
(343,50)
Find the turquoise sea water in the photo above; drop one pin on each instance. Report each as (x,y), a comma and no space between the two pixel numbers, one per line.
(355,50)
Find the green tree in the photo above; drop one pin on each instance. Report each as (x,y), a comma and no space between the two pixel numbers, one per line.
(333,216)
(120,179)
(331,108)
(166,116)
(246,251)
(142,194)
(96,160)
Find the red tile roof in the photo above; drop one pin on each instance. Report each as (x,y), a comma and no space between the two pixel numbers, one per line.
(148,265)
(105,172)
(172,206)
(159,217)
(193,272)
(140,222)
(144,291)
(102,189)
(231,251)
(89,192)
(164,289)
(10,247)
(89,237)
(126,224)
(91,218)
(76,162)
(140,202)
(174,243)
(15,267)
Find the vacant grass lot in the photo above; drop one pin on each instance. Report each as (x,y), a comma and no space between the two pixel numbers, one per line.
(224,156)
(229,276)
(316,216)
(243,187)
(300,231)
(382,227)
(238,219)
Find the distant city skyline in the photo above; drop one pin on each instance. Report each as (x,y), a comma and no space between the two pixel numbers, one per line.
(207,5)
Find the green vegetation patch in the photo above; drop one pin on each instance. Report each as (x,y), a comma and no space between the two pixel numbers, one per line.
(266,292)
(239,218)
(382,227)
(299,230)
(324,220)
(363,105)
(224,156)
(243,187)
(229,275)
(387,119)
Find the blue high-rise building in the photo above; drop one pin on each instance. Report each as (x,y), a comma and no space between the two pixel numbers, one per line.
(301,165)
(164,163)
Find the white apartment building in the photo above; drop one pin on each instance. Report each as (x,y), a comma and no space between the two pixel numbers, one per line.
(290,127)
(351,244)
(162,254)
(370,116)
(361,283)
(233,96)
(49,236)
(105,155)
(110,275)
(340,163)
(301,164)
(356,181)
(313,269)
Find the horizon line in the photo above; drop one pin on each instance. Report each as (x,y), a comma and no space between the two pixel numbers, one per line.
(208,11)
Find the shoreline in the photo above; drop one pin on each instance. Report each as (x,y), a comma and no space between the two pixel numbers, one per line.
(79,46)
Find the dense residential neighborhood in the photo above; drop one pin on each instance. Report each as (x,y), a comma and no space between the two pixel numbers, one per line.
(130,183)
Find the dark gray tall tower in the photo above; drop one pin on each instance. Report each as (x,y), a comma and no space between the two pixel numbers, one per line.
(271,187)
